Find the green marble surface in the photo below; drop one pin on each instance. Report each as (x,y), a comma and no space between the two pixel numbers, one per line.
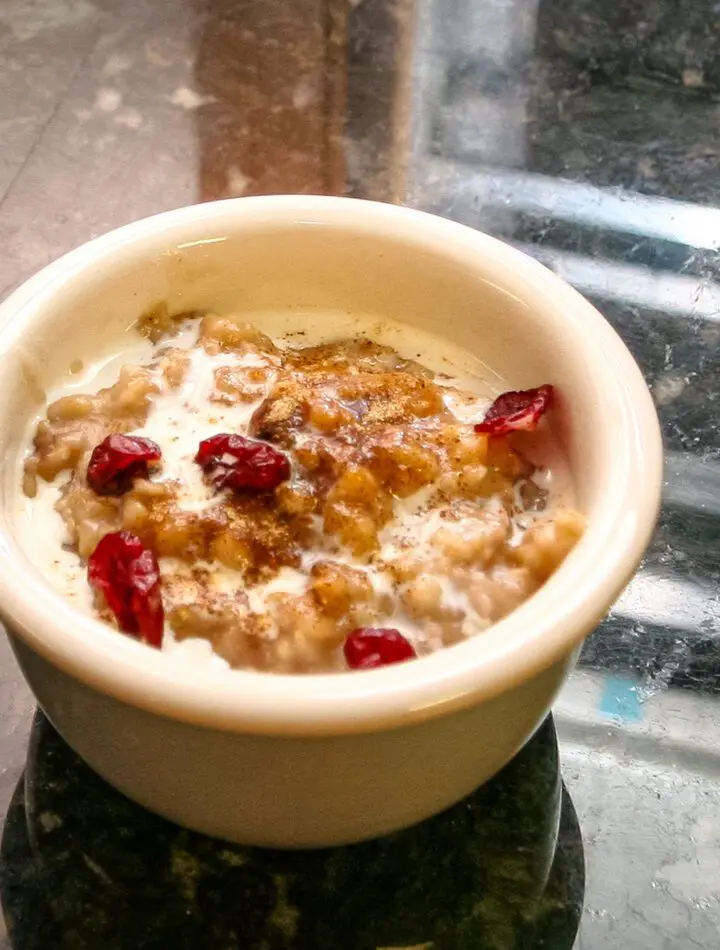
(83,868)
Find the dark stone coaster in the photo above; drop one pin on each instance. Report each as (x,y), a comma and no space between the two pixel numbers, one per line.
(83,868)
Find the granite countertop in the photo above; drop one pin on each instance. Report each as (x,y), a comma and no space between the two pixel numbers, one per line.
(587,134)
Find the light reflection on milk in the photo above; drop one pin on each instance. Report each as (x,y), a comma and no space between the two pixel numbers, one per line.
(181,418)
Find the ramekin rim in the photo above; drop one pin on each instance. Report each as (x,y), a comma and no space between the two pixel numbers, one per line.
(378,699)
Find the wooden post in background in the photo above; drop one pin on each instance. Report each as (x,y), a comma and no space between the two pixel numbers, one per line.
(308,96)
(273,79)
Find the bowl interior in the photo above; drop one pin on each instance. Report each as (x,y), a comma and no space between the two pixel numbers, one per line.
(289,273)
(325,259)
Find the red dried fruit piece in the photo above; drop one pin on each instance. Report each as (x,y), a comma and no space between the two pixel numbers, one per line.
(233,461)
(516,410)
(126,573)
(118,460)
(370,647)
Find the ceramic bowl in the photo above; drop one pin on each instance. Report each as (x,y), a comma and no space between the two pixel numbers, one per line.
(305,761)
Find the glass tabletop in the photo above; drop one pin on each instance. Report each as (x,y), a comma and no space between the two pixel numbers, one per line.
(585,134)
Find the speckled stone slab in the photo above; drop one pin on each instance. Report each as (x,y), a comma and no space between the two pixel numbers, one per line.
(85,868)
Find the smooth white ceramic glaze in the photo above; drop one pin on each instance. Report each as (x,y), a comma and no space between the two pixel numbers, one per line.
(319,760)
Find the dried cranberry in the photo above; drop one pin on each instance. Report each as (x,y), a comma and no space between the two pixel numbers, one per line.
(117,460)
(232,461)
(516,410)
(126,573)
(368,647)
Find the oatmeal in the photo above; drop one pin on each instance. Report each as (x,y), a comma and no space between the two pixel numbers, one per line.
(297,509)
